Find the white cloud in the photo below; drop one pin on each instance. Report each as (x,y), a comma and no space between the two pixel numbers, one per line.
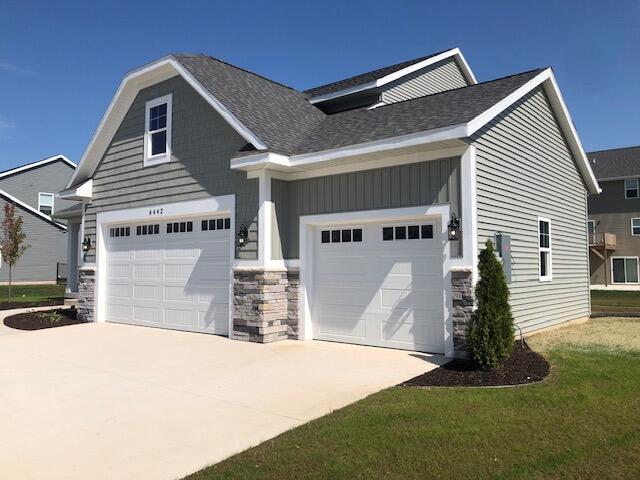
(15,69)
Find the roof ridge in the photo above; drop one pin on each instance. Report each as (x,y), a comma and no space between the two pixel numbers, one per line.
(613,149)
(242,69)
(410,61)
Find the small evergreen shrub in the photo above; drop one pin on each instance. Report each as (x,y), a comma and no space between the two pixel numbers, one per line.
(491,335)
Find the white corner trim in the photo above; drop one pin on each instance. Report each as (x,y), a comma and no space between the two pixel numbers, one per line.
(131,84)
(39,163)
(469,212)
(454,52)
(222,204)
(38,213)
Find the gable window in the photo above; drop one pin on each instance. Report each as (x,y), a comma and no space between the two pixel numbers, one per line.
(635,226)
(45,203)
(157,132)
(625,269)
(631,189)
(544,249)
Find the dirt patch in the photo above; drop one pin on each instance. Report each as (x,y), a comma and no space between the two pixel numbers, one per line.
(43,303)
(523,367)
(615,333)
(42,319)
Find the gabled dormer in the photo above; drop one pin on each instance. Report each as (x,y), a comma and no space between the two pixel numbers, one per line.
(415,78)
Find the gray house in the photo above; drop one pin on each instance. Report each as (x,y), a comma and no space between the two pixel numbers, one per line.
(614,218)
(218,201)
(32,188)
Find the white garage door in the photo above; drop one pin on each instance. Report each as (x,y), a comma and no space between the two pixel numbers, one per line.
(379,285)
(170,274)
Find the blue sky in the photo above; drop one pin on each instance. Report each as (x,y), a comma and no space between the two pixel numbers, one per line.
(60,62)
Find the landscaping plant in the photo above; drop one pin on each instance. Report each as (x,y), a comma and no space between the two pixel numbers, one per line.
(12,243)
(51,317)
(491,335)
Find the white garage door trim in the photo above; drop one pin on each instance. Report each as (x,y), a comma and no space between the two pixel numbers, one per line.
(221,205)
(307,224)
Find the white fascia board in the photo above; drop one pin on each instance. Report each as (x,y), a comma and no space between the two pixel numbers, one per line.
(39,163)
(37,213)
(260,161)
(132,83)
(454,52)
(547,79)
(84,191)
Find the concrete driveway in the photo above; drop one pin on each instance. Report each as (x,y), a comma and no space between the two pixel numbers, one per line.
(107,401)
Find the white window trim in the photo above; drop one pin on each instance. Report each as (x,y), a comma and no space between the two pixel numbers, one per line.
(151,160)
(625,267)
(40,194)
(631,221)
(549,276)
(637,188)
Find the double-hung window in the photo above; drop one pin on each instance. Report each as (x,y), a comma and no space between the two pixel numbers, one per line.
(631,189)
(157,134)
(635,226)
(45,203)
(544,249)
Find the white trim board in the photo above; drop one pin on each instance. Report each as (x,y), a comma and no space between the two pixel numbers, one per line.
(38,213)
(39,163)
(143,77)
(219,205)
(454,52)
(460,131)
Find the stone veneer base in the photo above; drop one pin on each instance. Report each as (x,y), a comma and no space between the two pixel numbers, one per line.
(462,299)
(265,305)
(86,295)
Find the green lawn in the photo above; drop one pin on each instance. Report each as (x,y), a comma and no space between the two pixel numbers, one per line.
(611,300)
(30,294)
(580,423)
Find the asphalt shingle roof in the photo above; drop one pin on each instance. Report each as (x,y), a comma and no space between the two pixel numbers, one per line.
(364,77)
(288,124)
(616,163)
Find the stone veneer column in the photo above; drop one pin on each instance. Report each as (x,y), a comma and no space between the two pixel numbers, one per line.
(265,305)
(462,299)
(86,295)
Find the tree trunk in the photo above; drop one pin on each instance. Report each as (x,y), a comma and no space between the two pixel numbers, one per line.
(9,285)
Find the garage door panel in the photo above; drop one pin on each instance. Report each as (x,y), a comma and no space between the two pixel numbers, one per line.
(178,280)
(379,292)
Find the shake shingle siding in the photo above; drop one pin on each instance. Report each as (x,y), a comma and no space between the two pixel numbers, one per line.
(202,145)
(442,76)
(525,170)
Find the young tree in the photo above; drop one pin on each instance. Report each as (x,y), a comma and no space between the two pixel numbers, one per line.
(12,243)
(491,335)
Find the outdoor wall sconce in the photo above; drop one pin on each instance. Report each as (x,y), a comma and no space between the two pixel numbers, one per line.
(454,228)
(86,244)
(243,235)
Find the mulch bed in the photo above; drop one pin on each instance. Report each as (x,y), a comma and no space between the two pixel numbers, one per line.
(33,320)
(523,367)
(42,303)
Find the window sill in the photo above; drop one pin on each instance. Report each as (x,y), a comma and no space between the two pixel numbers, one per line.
(156,160)
(545,279)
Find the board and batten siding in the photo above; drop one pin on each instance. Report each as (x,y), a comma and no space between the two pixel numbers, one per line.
(439,77)
(47,246)
(202,146)
(424,183)
(524,170)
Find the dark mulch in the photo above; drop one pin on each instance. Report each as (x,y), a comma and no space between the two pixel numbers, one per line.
(33,320)
(524,366)
(42,303)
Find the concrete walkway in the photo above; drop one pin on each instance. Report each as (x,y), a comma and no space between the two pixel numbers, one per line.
(108,401)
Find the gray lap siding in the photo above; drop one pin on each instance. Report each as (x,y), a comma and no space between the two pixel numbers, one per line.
(202,145)
(524,169)
(424,183)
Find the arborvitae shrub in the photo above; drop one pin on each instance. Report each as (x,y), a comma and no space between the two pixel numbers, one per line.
(491,334)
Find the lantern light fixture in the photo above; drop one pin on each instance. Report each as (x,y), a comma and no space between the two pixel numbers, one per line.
(454,228)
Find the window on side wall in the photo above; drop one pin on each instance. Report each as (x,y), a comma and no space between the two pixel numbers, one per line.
(591,227)
(631,188)
(624,269)
(635,226)
(45,203)
(157,132)
(544,249)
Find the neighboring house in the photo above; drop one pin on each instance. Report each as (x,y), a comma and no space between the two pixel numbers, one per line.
(218,201)
(614,218)
(32,188)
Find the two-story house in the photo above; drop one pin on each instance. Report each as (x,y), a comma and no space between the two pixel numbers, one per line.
(33,189)
(614,218)
(218,201)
